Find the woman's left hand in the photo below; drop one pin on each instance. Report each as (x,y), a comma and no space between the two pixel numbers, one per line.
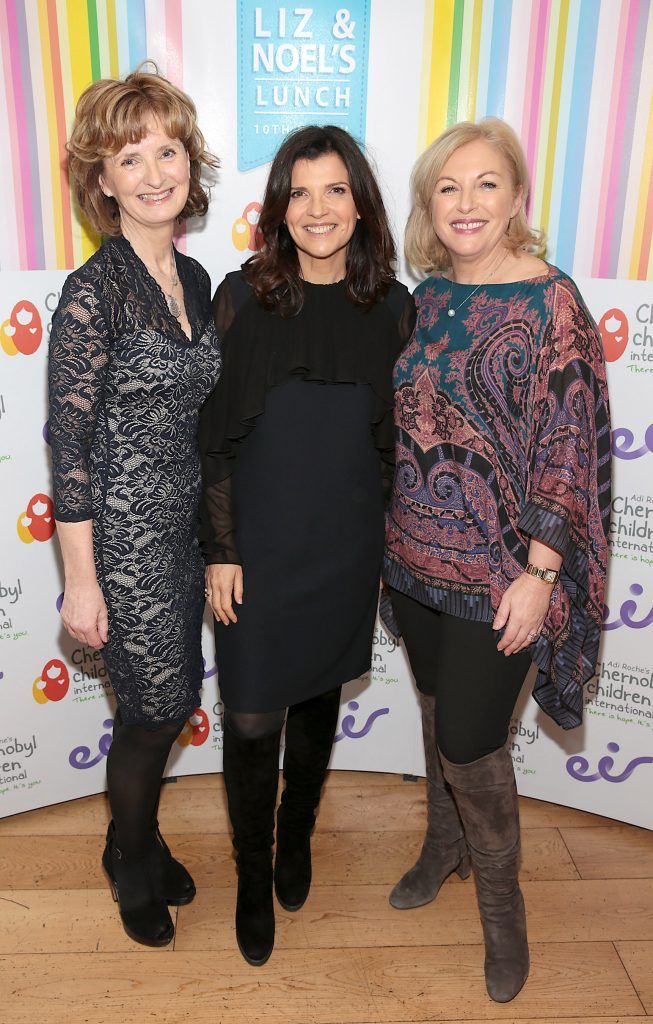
(522,611)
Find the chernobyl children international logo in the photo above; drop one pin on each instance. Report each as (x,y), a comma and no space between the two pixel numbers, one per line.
(22,332)
(298,66)
(634,336)
(53,682)
(37,521)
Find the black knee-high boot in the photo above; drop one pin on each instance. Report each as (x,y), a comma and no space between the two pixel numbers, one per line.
(310,728)
(251,775)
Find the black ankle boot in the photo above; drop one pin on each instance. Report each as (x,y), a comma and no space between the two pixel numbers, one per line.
(251,774)
(310,729)
(143,911)
(170,876)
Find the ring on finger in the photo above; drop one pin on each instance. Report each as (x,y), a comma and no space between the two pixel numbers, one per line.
(533,637)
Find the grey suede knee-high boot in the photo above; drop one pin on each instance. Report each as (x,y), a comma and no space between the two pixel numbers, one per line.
(486,795)
(444,849)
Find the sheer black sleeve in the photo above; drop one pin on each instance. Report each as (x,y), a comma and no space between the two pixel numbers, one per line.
(76,375)
(217,534)
(385,429)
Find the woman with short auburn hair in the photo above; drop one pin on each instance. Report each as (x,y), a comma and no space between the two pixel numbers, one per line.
(133,355)
(298,448)
(496,540)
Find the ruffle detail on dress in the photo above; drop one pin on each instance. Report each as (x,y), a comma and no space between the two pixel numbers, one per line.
(262,350)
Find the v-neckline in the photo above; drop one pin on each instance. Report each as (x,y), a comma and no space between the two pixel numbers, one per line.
(192,340)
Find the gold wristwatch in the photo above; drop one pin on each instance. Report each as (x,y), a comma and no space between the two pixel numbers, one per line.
(547,575)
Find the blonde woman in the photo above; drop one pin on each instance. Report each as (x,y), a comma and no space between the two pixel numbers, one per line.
(496,546)
(133,355)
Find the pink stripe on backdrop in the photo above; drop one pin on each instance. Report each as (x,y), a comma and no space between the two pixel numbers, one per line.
(539,35)
(175,71)
(615,151)
(10,43)
(21,126)
(174,43)
(610,135)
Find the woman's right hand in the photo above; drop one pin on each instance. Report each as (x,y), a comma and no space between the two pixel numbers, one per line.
(84,613)
(224,584)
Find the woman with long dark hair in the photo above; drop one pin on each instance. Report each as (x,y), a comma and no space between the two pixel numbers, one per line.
(297,444)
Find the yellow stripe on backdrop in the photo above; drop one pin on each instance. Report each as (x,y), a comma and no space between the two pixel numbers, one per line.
(82,76)
(474,59)
(554,114)
(643,196)
(438,99)
(112,23)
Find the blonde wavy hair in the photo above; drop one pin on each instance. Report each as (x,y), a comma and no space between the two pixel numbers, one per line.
(111,113)
(423,248)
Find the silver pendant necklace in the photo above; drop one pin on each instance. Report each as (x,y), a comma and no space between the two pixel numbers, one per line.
(173,305)
(454,309)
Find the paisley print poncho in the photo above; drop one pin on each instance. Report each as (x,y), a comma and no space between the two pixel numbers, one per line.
(503,434)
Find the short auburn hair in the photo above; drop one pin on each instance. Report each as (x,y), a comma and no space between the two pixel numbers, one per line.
(113,112)
(423,248)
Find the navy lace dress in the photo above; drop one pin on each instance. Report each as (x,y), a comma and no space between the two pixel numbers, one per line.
(126,386)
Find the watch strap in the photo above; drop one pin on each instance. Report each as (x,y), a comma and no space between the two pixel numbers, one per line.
(547,575)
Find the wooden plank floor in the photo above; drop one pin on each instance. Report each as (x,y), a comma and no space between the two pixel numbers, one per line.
(347,957)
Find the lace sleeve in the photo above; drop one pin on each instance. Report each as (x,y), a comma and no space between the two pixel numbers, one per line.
(76,375)
(217,533)
(407,321)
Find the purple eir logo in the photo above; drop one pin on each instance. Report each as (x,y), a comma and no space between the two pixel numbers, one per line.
(625,450)
(626,612)
(349,721)
(577,766)
(80,757)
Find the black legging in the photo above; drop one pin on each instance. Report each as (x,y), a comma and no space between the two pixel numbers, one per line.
(135,765)
(474,685)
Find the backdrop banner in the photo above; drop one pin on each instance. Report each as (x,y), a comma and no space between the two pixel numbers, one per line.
(574,79)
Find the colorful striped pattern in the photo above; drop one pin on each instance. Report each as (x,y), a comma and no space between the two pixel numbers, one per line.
(575,79)
(50,50)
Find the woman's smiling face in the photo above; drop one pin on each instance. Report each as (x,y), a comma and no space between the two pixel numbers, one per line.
(148,179)
(321,215)
(473,202)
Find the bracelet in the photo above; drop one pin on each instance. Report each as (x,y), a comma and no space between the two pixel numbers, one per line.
(547,575)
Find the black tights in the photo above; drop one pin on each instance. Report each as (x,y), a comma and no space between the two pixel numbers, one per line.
(254,725)
(474,685)
(135,765)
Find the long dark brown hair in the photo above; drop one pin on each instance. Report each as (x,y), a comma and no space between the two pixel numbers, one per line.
(274,272)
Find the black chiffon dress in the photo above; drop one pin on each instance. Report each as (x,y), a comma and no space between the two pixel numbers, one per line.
(297,445)
(126,387)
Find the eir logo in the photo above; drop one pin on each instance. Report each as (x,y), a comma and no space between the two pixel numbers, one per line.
(614,333)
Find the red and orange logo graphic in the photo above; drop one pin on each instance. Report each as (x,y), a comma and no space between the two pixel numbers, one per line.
(53,682)
(196,730)
(23,331)
(37,521)
(614,333)
(245,233)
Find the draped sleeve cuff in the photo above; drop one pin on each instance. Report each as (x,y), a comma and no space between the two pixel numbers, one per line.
(565,660)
